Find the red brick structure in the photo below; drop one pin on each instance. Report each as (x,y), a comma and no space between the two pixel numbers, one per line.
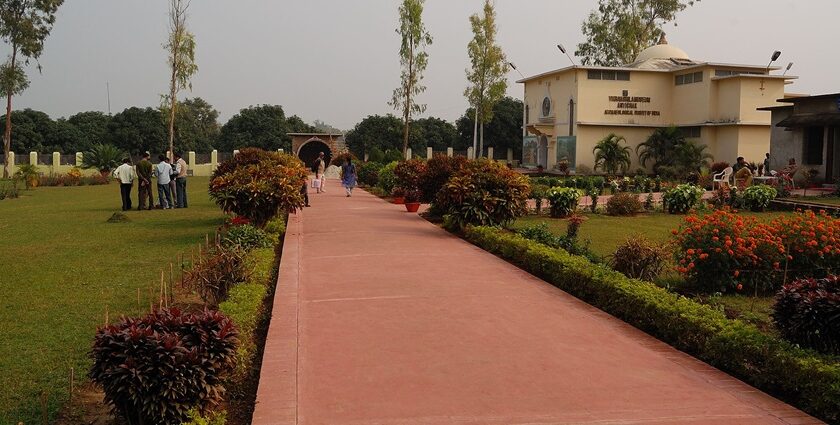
(306,146)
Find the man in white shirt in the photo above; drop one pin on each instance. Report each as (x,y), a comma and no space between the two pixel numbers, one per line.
(125,174)
(180,182)
(162,171)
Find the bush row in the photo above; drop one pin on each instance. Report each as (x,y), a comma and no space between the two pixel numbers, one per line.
(806,379)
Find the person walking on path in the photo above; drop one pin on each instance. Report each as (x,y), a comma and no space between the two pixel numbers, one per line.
(144,183)
(125,174)
(348,176)
(304,191)
(320,167)
(180,182)
(162,173)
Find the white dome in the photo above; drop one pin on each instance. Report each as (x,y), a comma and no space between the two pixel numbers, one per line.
(662,51)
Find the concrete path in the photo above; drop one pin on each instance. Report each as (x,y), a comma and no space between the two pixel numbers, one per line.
(382,318)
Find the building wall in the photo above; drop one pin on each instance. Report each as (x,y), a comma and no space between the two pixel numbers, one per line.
(756,93)
(783,144)
(728,101)
(691,101)
(753,142)
(595,99)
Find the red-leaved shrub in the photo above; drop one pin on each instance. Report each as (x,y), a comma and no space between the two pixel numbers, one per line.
(438,171)
(807,312)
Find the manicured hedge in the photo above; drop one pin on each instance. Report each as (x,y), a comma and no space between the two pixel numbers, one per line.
(808,380)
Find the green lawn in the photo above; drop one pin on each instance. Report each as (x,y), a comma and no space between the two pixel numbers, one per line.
(62,265)
(827,200)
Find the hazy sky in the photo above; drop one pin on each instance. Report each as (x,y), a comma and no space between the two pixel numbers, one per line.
(336,60)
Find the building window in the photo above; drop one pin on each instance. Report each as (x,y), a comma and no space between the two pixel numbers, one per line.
(597,74)
(813,146)
(694,77)
(690,132)
(727,73)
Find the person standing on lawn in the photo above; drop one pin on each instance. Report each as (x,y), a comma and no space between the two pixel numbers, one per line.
(125,174)
(144,183)
(348,176)
(162,173)
(180,182)
(320,167)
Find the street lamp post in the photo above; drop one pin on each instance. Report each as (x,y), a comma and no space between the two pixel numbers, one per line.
(524,115)
(563,49)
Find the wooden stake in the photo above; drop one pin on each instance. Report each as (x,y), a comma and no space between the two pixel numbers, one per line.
(171,290)
(162,285)
(72,379)
(151,300)
(139,312)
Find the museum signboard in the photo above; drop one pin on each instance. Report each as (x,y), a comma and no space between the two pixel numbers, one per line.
(638,106)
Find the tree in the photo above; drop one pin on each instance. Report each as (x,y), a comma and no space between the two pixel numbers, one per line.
(375,131)
(63,137)
(487,76)
(93,129)
(262,126)
(296,125)
(620,29)
(610,156)
(181,48)
(137,130)
(435,133)
(323,127)
(503,131)
(196,124)
(31,128)
(24,26)
(413,59)
(660,147)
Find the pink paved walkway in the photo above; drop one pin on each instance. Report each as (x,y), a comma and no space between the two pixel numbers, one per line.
(382,318)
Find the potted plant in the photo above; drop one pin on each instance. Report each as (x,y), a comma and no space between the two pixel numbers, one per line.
(104,158)
(398,195)
(412,200)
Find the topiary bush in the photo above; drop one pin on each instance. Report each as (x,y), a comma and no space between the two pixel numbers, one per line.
(259,185)
(484,192)
(215,272)
(640,258)
(245,237)
(757,198)
(439,169)
(624,204)
(368,173)
(563,201)
(807,312)
(387,179)
(155,369)
(682,198)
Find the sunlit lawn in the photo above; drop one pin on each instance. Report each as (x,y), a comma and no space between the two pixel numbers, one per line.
(827,200)
(62,265)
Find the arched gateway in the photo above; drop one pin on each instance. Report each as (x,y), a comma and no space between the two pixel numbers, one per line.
(306,146)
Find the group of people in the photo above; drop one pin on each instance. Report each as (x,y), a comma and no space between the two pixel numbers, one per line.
(319,167)
(171,182)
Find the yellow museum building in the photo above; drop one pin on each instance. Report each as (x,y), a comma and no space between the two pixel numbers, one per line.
(569,110)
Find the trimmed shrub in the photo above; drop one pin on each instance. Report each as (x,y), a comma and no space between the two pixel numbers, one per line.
(624,204)
(563,201)
(439,169)
(484,192)
(155,369)
(409,174)
(682,198)
(812,241)
(807,312)
(245,237)
(539,233)
(640,258)
(801,377)
(259,185)
(387,179)
(276,226)
(368,173)
(215,273)
(538,194)
(722,251)
(376,155)
(757,198)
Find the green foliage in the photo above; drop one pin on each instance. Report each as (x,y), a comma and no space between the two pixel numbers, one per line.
(196,125)
(807,312)
(246,238)
(276,227)
(640,258)
(682,198)
(104,158)
(261,126)
(439,169)
(155,369)
(660,146)
(195,417)
(618,30)
(409,174)
(563,201)
(484,192)
(539,233)
(809,381)
(259,185)
(28,174)
(368,173)
(375,134)
(610,156)
(503,131)
(387,179)
(757,198)
(9,189)
(137,130)
(215,273)
(624,204)
(539,192)
(434,132)
(92,127)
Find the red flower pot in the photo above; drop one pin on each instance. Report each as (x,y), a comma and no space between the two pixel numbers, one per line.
(399,200)
(412,206)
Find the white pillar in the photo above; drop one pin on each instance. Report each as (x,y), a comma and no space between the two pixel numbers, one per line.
(408,154)
(11,161)
(470,153)
(510,155)
(429,152)
(367,157)
(450,152)
(56,159)
(214,159)
(235,152)
(79,158)
(191,160)
(33,158)
(490,152)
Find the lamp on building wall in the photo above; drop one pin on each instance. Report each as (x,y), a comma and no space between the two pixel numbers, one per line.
(773,58)
(790,65)
(563,49)
(515,69)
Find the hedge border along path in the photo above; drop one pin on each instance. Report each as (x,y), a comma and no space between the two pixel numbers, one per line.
(805,379)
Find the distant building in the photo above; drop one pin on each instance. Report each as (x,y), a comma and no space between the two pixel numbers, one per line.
(807,129)
(569,110)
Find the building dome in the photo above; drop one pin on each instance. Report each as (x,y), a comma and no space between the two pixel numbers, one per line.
(662,50)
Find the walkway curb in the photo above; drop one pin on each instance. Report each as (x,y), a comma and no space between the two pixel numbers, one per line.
(276,402)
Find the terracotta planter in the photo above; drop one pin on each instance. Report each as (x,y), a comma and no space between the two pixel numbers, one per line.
(399,200)
(412,206)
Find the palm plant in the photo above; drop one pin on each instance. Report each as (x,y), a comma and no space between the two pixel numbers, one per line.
(610,156)
(103,157)
(660,147)
(691,157)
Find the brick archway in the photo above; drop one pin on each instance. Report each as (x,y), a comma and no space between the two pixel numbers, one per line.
(304,144)
(310,150)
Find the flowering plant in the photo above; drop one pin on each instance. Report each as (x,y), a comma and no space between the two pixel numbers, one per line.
(812,241)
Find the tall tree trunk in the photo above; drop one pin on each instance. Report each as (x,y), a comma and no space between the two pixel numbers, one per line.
(475,132)
(7,135)
(173,91)
(406,117)
(481,138)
